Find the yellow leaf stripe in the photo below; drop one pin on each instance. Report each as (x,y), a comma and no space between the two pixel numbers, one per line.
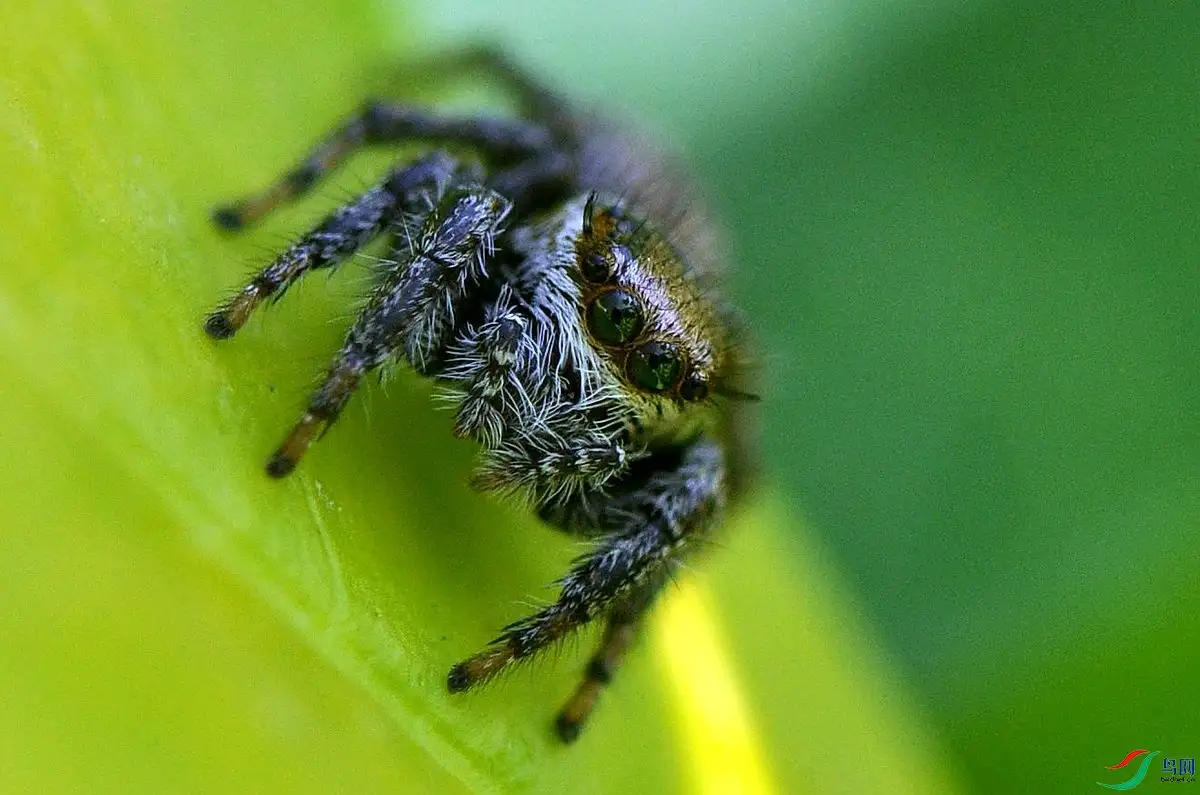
(715,727)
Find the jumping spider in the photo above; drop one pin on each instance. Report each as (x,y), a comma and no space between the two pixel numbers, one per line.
(561,283)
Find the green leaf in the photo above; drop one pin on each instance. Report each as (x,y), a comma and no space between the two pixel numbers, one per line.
(173,620)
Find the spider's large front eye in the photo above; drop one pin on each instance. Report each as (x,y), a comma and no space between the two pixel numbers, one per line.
(655,366)
(615,317)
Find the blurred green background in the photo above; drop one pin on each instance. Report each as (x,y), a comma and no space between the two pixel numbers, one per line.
(964,233)
(967,234)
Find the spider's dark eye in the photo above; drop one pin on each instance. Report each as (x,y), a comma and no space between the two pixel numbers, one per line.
(594,268)
(655,366)
(694,387)
(615,318)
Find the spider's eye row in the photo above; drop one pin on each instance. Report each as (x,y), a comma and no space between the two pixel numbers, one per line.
(655,366)
(615,317)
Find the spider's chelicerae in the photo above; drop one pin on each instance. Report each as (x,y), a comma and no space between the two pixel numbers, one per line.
(561,282)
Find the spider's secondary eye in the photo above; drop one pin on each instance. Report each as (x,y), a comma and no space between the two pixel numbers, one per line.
(594,268)
(695,387)
(655,366)
(615,318)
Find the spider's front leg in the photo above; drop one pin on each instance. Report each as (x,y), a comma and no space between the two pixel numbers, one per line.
(342,233)
(655,522)
(411,313)
(447,223)
(500,140)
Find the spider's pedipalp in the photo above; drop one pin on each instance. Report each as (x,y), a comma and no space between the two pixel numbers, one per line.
(486,364)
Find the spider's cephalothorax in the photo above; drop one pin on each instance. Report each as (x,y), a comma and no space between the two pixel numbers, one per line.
(562,289)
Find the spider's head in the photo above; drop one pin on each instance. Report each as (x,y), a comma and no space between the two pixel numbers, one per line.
(646,313)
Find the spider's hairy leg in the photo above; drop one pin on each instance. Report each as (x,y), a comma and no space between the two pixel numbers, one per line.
(410,313)
(538,100)
(655,526)
(554,460)
(547,434)
(498,139)
(623,623)
(343,232)
(544,456)
(537,183)
(485,364)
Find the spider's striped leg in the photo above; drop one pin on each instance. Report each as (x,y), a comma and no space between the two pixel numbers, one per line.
(499,140)
(342,233)
(410,313)
(659,522)
(623,623)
